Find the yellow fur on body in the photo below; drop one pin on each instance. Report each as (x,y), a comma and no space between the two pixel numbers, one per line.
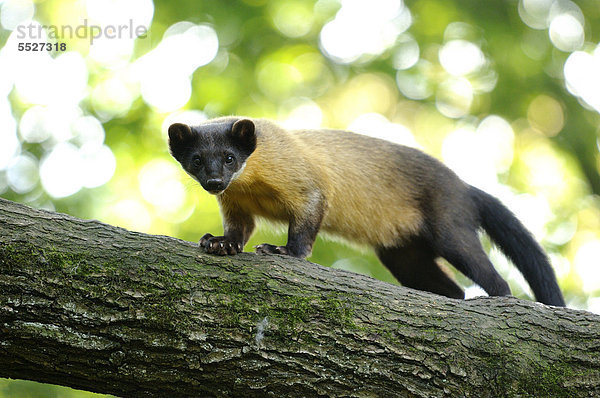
(290,169)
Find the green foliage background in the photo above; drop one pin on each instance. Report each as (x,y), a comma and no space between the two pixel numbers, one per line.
(271,61)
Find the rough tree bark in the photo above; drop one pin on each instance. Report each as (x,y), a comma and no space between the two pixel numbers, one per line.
(91,306)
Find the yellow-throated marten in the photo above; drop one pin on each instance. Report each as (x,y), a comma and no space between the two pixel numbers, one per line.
(405,204)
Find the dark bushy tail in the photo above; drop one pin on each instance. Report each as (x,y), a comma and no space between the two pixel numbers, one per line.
(519,245)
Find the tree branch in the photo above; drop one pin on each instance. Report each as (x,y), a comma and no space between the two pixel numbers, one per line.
(91,306)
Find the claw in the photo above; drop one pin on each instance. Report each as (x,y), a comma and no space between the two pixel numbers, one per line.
(220,245)
(266,248)
(204,241)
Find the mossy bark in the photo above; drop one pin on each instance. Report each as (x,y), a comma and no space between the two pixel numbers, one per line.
(91,306)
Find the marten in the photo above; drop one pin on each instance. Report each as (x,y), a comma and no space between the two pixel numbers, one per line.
(406,205)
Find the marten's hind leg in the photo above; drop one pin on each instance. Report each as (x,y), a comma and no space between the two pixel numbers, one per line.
(462,248)
(414,265)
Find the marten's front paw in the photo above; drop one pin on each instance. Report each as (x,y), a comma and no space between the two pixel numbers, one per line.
(266,248)
(220,245)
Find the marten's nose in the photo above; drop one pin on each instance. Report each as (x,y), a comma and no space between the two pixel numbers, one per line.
(214,184)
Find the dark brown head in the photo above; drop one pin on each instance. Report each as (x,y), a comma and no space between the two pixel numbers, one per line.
(214,153)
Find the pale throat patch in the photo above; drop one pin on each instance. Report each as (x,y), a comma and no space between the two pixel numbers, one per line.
(238,173)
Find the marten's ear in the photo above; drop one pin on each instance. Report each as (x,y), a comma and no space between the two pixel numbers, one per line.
(179,132)
(244,135)
(180,139)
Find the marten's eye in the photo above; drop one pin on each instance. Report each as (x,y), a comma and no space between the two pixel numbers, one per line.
(229,159)
(196,160)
